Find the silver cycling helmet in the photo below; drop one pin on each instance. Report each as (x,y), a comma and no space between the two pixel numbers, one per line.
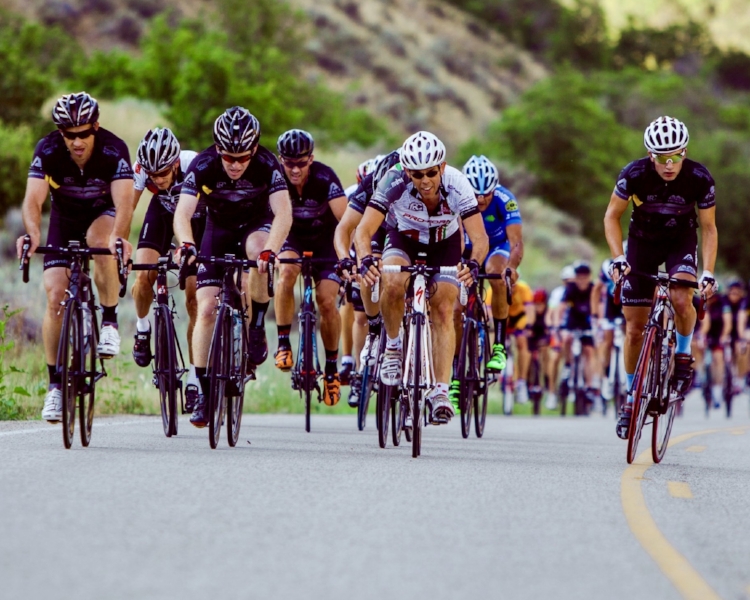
(366,167)
(158,150)
(664,135)
(74,110)
(295,143)
(236,130)
(482,174)
(568,272)
(387,162)
(422,151)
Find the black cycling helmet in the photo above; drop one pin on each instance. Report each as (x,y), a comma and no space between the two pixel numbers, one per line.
(158,150)
(582,268)
(735,282)
(295,143)
(381,168)
(74,110)
(236,130)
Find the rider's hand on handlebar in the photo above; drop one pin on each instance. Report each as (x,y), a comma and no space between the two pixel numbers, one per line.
(468,273)
(127,248)
(513,274)
(264,258)
(186,251)
(707,284)
(345,268)
(619,268)
(22,240)
(368,270)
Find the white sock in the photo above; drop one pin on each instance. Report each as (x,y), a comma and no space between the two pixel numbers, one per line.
(143,325)
(394,343)
(192,377)
(348,359)
(716,392)
(440,388)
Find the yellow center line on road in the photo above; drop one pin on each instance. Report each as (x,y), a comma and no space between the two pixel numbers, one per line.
(673,564)
(679,489)
(738,431)
(695,449)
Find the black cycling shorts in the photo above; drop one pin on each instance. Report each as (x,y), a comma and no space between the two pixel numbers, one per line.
(441,254)
(218,241)
(158,230)
(680,255)
(576,322)
(612,311)
(321,247)
(64,228)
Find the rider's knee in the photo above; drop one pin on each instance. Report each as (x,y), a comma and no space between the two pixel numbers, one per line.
(287,278)
(327,304)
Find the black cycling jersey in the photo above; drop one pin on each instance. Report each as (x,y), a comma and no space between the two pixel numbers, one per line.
(715,309)
(360,198)
(313,216)
(579,313)
(79,190)
(234,204)
(665,208)
(734,309)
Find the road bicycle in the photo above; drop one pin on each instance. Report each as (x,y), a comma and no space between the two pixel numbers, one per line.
(653,389)
(728,390)
(306,372)
(536,382)
(616,380)
(76,361)
(418,373)
(575,380)
(168,364)
(228,365)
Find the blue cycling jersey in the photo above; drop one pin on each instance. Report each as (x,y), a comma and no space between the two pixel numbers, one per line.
(502,211)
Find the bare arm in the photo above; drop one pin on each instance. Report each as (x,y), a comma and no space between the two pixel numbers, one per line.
(338,206)
(281,206)
(612,227)
(710,241)
(480,243)
(597,305)
(136,198)
(726,330)
(371,221)
(122,197)
(185,210)
(515,237)
(342,239)
(37,191)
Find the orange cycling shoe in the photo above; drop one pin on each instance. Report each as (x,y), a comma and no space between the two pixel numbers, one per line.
(332,391)
(283,358)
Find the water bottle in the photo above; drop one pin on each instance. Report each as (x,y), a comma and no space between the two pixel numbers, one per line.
(237,337)
(87,327)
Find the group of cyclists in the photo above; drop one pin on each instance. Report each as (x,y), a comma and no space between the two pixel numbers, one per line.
(238,197)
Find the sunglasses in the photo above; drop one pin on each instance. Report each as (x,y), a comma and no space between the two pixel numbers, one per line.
(295,164)
(235,159)
(161,174)
(664,159)
(420,174)
(72,135)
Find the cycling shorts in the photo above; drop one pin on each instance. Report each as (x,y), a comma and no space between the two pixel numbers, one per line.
(218,241)
(499,250)
(612,311)
(586,340)
(157,232)
(680,255)
(441,254)
(322,247)
(538,341)
(517,323)
(64,228)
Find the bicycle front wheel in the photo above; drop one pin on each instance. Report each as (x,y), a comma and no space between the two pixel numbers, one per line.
(481,388)
(87,388)
(219,364)
(68,365)
(364,398)
(235,397)
(467,375)
(415,389)
(661,429)
(643,387)
(165,368)
(398,417)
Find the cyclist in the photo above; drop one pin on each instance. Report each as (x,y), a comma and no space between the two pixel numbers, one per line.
(665,187)
(249,213)
(160,167)
(502,222)
(318,202)
(734,306)
(424,203)
(358,202)
(538,335)
(580,302)
(716,333)
(553,319)
(521,316)
(606,312)
(86,171)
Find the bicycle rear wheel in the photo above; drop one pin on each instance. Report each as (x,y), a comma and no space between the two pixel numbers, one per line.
(415,390)
(69,364)
(87,388)
(219,364)
(364,398)
(236,387)
(643,385)
(467,376)
(165,368)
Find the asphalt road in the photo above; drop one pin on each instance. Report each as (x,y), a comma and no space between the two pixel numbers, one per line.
(539,508)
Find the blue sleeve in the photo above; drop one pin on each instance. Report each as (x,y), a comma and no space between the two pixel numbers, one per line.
(509,203)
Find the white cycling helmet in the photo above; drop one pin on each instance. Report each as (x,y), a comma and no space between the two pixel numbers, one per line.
(158,150)
(665,135)
(482,174)
(422,151)
(568,272)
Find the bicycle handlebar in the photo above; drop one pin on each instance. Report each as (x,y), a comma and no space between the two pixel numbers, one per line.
(665,280)
(451,271)
(228,260)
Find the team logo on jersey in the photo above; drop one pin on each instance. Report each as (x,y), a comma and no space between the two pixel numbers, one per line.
(687,257)
(310,202)
(686,269)
(36,163)
(123,167)
(626,285)
(416,206)
(110,151)
(277,178)
(190,179)
(670,223)
(201,268)
(503,196)
(622,183)
(490,218)
(334,191)
(511,206)
(69,181)
(677,200)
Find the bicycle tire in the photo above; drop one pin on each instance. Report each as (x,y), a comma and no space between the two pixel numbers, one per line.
(218,371)
(309,374)
(641,384)
(69,360)
(534,384)
(398,417)
(578,394)
(728,386)
(87,391)
(661,429)
(415,390)
(617,383)
(236,401)
(382,412)
(706,388)
(564,391)
(481,391)
(364,398)
(467,357)
(165,369)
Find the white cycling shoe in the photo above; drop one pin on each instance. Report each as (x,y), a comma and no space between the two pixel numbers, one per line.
(365,357)
(390,368)
(441,409)
(522,392)
(109,342)
(52,410)
(551,402)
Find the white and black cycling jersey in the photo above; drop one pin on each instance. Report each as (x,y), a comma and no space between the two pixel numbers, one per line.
(169,197)
(398,199)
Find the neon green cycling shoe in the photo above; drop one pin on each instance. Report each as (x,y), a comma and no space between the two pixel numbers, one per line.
(497,360)
(454,394)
